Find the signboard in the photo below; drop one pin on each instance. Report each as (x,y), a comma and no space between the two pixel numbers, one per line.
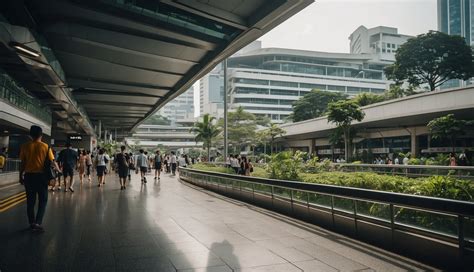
(75,138)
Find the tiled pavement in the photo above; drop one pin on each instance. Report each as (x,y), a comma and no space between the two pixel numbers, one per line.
(169,226)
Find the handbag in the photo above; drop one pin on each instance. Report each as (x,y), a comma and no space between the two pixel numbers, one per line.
(48,171)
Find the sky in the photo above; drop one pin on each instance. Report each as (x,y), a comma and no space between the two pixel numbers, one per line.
(326,25)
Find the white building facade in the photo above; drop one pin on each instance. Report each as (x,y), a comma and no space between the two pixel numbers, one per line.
(180,108)
(267,81)
(381,42)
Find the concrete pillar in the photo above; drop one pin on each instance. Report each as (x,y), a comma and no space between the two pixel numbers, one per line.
(312,145)
(413,143)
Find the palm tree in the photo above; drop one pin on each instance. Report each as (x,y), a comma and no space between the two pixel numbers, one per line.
(206,131)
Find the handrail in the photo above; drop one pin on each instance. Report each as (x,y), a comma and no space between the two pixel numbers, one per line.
(409,166)
(455,207)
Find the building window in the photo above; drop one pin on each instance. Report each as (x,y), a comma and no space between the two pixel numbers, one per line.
(284,92)
(283,83)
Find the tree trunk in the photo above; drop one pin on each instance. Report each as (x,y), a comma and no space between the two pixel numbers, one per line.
(209,152)
(271,148)
(346,145)
(332,152)
(432,85)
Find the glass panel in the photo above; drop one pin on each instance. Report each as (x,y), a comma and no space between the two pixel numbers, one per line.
(469,229)
(344,204)
(317,199)
(264,189)
(300,196)
(282,192)
(446,224)
(377,210)
(246,186)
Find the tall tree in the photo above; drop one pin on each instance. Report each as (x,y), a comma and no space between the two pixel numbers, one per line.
(448,127)
(271,133)
(432,58)
(314,104)
(241,127)
(206,132)
(343,113)
(364,99)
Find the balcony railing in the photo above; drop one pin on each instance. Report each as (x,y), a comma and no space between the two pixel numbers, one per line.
(434,230)
(14,94)
(11,165)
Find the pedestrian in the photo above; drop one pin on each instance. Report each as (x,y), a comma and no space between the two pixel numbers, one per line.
(452,159)
(250,166)
(172,162)
(101,161)
(82,165)
(234,163)
(182,161)
(244,167)
(131,166)
(34,155)
(88,165)
(3,158)
(68,159)
(463,159)
(142,164)
(157,161)
(123,161)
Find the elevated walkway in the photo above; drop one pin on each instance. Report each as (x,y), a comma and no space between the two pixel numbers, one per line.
(169,226)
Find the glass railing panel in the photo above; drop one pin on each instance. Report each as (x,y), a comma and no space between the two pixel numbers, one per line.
(344,204)
(300,196)
(469,229)
(431,221)
(263,189)
(372,209)
(246,186)
(282,192)
(320,200)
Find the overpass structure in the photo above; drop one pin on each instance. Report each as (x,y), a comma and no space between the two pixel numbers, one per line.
(404,118)
(102,67)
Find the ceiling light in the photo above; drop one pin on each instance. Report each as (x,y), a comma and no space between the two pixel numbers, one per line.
(21,48)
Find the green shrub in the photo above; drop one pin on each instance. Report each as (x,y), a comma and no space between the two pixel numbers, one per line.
(285,165)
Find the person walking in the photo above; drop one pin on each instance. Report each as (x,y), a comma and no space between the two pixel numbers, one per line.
(101,161)
(68,159)
(131,166)
(33,156)
(244,167)
(142,164)
(182,161)
(123,162)
(158,159)
(452,159)
(88,165)
(234,163)
(82,165)
(172,162)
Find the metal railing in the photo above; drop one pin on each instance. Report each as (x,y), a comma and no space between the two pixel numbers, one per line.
(14,94)
(391,220)
(463,172)
(11,165)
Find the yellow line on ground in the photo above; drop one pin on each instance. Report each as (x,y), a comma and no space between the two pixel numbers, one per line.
(11,197)
(13,204)
(12,200)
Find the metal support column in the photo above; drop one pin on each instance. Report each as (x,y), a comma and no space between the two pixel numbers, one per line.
(225,110)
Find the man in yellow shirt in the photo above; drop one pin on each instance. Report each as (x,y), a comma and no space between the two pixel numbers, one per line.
(33,155)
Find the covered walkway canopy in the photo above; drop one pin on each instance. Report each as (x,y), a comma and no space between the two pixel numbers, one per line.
(119,61)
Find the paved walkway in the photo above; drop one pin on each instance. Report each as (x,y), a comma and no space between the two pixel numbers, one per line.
(169,226)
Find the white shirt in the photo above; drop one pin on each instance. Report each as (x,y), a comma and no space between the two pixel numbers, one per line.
(234,162)
(405,161)
(101,159)
(173,159)
(142,161)
(182,162)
